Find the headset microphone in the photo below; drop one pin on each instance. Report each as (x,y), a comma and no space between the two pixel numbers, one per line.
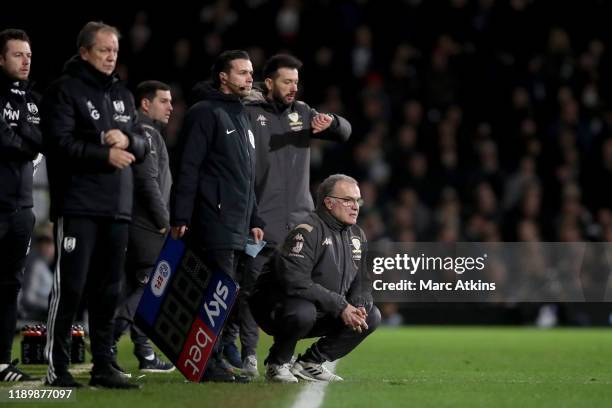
(242,88)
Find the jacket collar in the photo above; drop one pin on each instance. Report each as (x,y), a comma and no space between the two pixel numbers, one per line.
(159,126)
(258,97)
(204,90)
(80,68)
(330,220)
(10,83)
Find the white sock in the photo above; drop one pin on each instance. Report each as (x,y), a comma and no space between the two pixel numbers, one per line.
(3,367)
(151,357)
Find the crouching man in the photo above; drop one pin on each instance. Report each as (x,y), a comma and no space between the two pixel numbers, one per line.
(318,286)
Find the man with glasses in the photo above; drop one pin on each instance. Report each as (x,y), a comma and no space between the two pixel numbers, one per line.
(284,127)
(318,286)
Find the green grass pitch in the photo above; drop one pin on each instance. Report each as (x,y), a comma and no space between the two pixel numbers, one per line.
(411,366)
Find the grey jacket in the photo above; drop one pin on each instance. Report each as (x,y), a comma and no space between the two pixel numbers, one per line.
(322,261)
(282,180)
(152,182)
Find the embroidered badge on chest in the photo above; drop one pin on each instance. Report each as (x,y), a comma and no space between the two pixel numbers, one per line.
(32,115)
(356,250)
(119,115)
(294,121)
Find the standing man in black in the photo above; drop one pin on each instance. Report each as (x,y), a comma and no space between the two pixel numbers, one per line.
(213,192)
(92,138)
(318,286)
(283,128)
(19,144)
(150,220)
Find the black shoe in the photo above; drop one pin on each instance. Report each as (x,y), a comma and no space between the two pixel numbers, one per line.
(108,377)
(223,364)
(232,354)
(216,373)
(12,373)
(115,366)
(64,379)
(242,378)
(156,365)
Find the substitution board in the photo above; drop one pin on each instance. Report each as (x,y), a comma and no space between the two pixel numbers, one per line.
(184,307)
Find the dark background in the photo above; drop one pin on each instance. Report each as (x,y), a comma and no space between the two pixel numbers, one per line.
(472,120)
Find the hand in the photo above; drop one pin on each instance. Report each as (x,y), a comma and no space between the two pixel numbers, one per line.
(163,230)
(116,138)
(120,158)
(321,122)
(178,232)
(362,312)
(257,234)
(351,316)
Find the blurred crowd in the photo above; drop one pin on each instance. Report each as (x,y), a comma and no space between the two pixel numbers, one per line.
(473,120)
(476,120)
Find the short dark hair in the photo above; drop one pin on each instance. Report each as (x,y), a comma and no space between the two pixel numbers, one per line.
(12,34)
(148,90)
(271,67)
(87,35)
(327,186)
(223,63)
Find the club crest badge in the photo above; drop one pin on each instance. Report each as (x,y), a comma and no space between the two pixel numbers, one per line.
(294,121)
(356,250)
(119,107)
(69,244)
(32,108)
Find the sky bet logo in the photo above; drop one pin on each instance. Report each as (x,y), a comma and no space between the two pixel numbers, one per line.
(215,307)
(196,351)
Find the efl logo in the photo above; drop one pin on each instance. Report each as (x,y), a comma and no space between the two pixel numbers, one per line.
(196,351)
(160,278)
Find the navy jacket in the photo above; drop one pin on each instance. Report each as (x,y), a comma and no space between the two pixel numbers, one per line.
(152,182)
(214,172)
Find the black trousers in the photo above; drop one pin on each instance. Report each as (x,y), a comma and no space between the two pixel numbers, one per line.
(144,247)
(290,319)
(245,324)
(15,233)
(89,262)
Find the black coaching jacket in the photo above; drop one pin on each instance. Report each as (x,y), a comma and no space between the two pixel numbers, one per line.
(76,111)
(214,172)
(20,142)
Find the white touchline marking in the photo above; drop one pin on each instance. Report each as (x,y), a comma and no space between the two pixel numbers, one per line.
(313,393)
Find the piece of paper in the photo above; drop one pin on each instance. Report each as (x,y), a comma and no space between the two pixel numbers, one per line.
(252,248)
